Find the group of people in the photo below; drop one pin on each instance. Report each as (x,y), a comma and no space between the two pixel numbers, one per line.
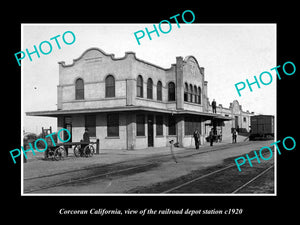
(211,137)
(197,137)
(212,133)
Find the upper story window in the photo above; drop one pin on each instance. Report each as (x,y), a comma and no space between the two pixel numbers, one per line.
(109,86)
(149,88)
(171,91)
(191,93)
(199,95)
(79,89)
(159,91)
(186,91)
(139,86)
(195,94)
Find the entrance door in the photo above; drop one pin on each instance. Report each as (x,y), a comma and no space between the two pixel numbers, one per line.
(150,131)
(66,135)
(236,122)
(68,126)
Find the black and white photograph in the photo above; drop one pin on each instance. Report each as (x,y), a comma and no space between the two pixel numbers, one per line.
(171,113)
(168,116)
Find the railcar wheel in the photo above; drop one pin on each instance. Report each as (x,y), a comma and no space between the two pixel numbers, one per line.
(59,153)
(89,151)
(77,150)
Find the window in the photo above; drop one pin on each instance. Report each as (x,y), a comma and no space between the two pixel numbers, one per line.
(113,125)
(172,125)
(191,124)
(186,88)
(191,93)
(149,88)
(195,94)
(245,119)
(159,91)
(171,91)
(79,89)
(109,86)
(139,86)
(90,123)
(140,125)
(199,95)
(159,125)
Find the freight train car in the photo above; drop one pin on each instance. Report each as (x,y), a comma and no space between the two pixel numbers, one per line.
(262,127)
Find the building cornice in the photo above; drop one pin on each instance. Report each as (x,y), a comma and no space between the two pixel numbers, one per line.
(112,57)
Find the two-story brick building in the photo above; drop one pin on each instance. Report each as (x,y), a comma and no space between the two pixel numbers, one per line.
(128,103)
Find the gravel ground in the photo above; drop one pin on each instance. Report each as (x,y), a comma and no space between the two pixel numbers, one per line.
(122,183)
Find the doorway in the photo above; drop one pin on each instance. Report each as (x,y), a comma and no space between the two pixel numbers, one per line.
(236,120)
(150,131)
(68,126)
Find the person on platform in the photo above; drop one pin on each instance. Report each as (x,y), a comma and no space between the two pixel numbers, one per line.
(86,138)
(214,106)
(86,135)
(234,135)
(197,138)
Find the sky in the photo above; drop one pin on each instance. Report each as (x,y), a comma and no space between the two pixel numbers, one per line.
(230,53)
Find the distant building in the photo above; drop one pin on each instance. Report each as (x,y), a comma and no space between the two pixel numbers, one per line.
(128,103)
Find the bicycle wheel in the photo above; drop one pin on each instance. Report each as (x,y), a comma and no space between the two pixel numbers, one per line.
(59,153)
(77,150)
(89,151)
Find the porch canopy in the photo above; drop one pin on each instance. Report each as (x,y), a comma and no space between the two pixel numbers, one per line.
(57,113)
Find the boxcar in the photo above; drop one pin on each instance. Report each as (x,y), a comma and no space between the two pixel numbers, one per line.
(262,127)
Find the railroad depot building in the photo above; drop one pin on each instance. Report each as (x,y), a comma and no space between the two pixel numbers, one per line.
(128,103)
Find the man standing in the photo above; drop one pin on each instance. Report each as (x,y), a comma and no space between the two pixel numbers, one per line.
(197,138)
(214,106)
(211,136)
(86,138)
(172,152)
(234,135)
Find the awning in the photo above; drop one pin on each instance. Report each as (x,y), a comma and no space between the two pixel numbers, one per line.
(223,118)
(208,115)
(56,113)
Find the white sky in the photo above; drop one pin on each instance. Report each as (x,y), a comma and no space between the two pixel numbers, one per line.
(230,53)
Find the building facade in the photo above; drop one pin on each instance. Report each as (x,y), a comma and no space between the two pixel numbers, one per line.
(128,103)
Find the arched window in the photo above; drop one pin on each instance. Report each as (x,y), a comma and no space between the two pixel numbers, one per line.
(171,91)
(191,93)
(186,90)
(199,95)
(109,86)
(159,91)
(79,89)
(139,86)
(195,94)
(149,88)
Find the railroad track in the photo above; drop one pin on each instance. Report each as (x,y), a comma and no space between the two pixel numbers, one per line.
(105,171)
(252,180)
(197,180)
(183,154)
(81,179)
